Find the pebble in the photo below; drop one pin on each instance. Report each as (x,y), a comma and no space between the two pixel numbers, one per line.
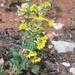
(57,26)
(66,64)
(2,5)
(50,46)
(1,61)
(24,5)
(72,70)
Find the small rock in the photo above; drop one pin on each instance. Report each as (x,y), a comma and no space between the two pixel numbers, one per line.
(72,70)
(57,67)
(50,46)
(24,5)
(16,20)
(72,10)
(66,64)
(2,5)
(54,33)
(20,13)
(18,7)
(57,26)
(63,46)
(1,61)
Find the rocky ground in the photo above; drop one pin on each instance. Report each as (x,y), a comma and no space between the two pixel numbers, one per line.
(54,61)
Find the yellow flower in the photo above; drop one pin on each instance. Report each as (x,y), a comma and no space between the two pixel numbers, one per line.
(40,45)
(31,53)
(23,9)
(39,18)
(42,42)
(50,22)
(47,4)
(22,26)
(35,59)
(33,8)
(44,37)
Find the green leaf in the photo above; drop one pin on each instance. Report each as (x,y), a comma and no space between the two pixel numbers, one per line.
(44,20)
(27,44)
(23,32)
(33,45)
(6,62)
(24,61)
(16,55)
(3,73)
(41,34)
(38,51)
(35,68)
(12,49)
(15,62)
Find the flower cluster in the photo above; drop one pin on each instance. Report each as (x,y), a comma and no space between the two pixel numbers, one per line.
(22,26)
(33,8)
(23,9)
(35,59)
(47,4)
(41,42)
(31,53)
(50,22)
(34,56)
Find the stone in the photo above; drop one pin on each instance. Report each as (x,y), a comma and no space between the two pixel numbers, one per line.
(57,26)
(66,64)
(63,46)
(72,70)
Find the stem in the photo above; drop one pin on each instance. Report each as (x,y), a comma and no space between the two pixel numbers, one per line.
(28,12)
(40,2)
